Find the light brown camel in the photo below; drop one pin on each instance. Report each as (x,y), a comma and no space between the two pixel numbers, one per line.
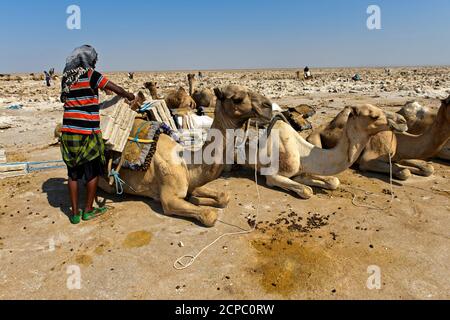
(179,99)
(181,186)
(192,83)
(302,164)
(152,86)
(376,153)
(431,142)
(419,119)
(204,98)
(175,99)
(406,150)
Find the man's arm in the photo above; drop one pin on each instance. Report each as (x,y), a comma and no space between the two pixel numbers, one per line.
(111,86)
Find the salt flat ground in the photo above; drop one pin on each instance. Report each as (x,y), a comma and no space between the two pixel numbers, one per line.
(303,249)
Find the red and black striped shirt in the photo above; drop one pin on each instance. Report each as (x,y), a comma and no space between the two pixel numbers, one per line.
(81,109)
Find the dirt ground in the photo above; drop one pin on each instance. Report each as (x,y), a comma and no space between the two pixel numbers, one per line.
(320,248)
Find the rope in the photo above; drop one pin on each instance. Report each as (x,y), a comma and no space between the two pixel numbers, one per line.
(136,140)
(35,163)
(391,184)
(119,182)
(190,259)
(146,106)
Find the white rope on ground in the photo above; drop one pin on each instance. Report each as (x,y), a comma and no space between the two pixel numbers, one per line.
(190,259)
(391,184)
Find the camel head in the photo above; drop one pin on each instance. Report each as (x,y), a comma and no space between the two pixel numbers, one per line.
(370,119)
(240,104)
(397,122)
(444,111)
(151,85)
(191,77)
(186,101)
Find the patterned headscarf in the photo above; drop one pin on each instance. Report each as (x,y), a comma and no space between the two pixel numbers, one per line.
(77,64)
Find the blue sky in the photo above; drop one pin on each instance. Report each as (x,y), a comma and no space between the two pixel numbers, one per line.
(201,34)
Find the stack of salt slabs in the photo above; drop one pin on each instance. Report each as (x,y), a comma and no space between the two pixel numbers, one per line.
(116,123)
(160,112)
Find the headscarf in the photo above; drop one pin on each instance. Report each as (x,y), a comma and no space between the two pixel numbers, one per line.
(78,63)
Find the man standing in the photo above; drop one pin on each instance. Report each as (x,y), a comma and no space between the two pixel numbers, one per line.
(82,145)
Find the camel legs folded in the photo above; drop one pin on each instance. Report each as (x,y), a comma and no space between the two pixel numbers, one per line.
(330,183)
(418,167)
(384,167)
(204,196)
(303,191)
(176,205)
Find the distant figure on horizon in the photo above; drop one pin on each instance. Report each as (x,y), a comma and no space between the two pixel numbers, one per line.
(307,73)
(356,77)
(48,78)
(131,75)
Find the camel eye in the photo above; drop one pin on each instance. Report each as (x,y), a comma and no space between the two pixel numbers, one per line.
(237,100)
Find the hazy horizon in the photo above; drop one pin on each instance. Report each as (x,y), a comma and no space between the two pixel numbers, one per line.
(157,36)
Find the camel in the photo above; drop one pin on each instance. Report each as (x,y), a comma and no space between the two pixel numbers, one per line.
(179,186)
(430,142)
(175,99)
(152,86)
(204,98)
(419,119)
(302,164)
(192,83)
(179,99)
(375,154)
(406,150)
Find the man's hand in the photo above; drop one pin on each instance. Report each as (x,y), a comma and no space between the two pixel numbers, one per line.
(119,91)
(130,96)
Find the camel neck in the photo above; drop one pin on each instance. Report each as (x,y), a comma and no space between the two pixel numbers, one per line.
(205,171)
(328,162)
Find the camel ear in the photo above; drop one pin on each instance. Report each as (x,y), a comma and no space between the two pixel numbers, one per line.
(219,94)
(446,101)
(354,112)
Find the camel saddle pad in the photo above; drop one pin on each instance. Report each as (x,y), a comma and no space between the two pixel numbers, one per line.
(138,153)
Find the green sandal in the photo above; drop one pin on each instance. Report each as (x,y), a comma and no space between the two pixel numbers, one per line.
(97,212)
(76,218)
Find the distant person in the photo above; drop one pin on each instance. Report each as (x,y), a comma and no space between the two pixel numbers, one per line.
(200,74)
(82,145)
(48,78)
(131,75)
(307,73)
(356,77)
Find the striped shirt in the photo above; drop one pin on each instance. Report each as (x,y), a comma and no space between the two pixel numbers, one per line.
(82,110)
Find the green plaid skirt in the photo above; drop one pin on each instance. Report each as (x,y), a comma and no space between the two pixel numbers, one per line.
(79,149)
